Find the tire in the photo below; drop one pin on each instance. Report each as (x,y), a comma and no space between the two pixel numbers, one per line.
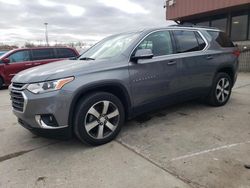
(221,90)
(1,83)
(93,123)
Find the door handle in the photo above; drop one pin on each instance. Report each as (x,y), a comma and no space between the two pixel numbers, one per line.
(209,57)
(38,63)
(171,62)
(28,64)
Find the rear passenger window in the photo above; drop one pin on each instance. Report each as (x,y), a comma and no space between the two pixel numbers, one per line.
(159,42)
(187,41)
(222,39)
(65,53)
(201,42)
(40,54)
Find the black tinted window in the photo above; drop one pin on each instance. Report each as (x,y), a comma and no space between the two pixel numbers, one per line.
(65,53)
(40,54)
(186,41)
(20,56)
(222,38)
(220,24)
(201,42)
(239,28)
(159,42)
(205,23)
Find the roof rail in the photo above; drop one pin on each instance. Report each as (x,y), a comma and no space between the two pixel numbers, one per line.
(192,25)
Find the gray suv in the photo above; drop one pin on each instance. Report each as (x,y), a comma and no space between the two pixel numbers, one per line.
(123,76)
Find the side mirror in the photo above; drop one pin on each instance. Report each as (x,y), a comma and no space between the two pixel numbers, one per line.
(143,54)
(6,60)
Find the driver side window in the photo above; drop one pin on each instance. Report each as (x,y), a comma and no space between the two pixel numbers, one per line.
(159,42)
(20,56)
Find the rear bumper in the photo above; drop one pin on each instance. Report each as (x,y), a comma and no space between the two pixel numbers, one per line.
(236,72)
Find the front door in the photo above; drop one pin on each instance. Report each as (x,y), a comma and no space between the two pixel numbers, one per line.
(19,61)
(153,79)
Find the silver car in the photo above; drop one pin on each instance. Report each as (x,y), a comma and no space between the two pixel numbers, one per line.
(123,76)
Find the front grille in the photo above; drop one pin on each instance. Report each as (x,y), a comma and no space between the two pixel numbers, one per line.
(17,85)
(17,100)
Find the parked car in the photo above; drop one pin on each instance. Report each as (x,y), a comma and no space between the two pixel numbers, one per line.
(20,59)
(123,76)
(3,52)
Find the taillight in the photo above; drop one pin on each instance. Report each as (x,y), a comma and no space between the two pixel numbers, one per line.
(236,53)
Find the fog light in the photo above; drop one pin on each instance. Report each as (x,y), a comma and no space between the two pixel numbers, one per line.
(47,121)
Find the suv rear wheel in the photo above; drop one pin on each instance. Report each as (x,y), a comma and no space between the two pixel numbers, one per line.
(99,118)
(221,90)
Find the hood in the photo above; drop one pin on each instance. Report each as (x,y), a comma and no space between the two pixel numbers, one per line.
(60,69)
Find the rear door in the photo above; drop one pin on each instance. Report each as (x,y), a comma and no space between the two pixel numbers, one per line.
(65,53)
(224,52)
(43,56)
(154,79)
(19,61)
(195,66)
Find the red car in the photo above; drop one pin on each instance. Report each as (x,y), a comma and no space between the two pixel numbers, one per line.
(20,59)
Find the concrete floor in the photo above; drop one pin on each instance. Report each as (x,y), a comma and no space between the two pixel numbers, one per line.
(188,145)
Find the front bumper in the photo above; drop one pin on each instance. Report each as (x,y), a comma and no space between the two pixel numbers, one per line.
(56,104)
(62,133)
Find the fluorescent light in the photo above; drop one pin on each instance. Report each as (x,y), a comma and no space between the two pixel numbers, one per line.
(236,22)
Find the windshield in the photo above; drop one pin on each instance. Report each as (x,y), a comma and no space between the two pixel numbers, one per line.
(109,47)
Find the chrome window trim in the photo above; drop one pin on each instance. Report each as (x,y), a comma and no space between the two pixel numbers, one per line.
(174,54)
(197,27)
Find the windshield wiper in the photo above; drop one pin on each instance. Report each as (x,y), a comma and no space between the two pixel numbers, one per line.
(86,58)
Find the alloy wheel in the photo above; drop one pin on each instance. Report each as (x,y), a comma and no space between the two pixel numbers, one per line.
(222,90)
(102,119)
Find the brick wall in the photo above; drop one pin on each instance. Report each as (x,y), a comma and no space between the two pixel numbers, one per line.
(187,8)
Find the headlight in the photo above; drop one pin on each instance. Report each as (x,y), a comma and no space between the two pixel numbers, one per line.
(47,86)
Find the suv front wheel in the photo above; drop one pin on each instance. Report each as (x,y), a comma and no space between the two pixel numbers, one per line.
(99,118)
(221,90)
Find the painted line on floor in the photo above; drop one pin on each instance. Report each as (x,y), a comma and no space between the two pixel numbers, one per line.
(5,105)
(188,182)
(241,86)
(209,150)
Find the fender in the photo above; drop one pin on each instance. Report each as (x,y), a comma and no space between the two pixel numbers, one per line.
(95,86)
(227,66)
